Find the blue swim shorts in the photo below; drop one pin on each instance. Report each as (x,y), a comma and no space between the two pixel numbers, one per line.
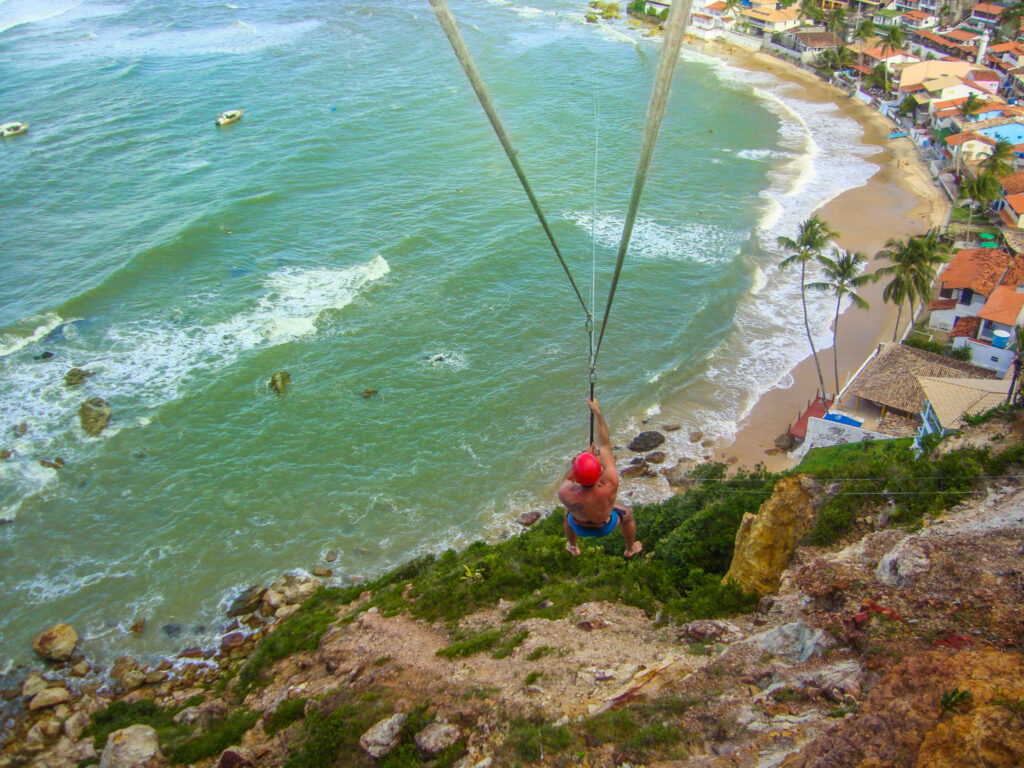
(604,530)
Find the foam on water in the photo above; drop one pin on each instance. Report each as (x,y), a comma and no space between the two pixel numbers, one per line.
(38,327)
(16,12)
(147,363)
(687,241)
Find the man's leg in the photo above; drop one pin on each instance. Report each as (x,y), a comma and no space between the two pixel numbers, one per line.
(570,537)
(629,530)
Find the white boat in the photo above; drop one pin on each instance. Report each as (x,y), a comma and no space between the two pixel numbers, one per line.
(231,116)
(12,129)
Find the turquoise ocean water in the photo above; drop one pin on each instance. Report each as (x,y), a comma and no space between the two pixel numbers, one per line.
(360,227)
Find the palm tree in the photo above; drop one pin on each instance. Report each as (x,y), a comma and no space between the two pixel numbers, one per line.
(913,266)
(865,29)
(881,77)
(845,274)
(1000,160)
(814,235)
(836,21)
(984,189)
(810,9)
(972,105)
(733,8)
(893,39)
(1010,18)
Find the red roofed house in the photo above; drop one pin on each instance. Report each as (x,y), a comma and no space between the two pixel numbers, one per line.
(985,16)
(1011,210)
(968,280)
(813,44)
(990,334)
(916,20)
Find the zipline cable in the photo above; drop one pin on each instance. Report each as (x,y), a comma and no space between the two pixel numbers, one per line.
(674,29)
(451,29)
(593,260)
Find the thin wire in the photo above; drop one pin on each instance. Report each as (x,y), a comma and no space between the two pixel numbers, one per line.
(674,29)
(592,372)
(451,29)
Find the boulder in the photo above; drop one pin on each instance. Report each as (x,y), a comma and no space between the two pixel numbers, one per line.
(94,414)
(765,541)
(646,441)
(785,442)
(794,639)
(655,457)
(634,470)
(75,724)
(437,737)
(369,392)
(33,684)
(672,427)
(57,643)
(279,381)
(903,564)
(247,602)
(81,669)
(383,736)
(707,630)
(20,430)
(322,573)
(696,436)
(680,473)
(49,697)
(76,376)
(295,587)
(235,757)
(126,671)
(232,640)
(526,519)
(136,746)
(331,555)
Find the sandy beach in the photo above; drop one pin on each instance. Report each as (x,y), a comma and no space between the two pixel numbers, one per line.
(899,200)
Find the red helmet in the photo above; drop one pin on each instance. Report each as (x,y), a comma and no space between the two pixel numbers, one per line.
(586,468)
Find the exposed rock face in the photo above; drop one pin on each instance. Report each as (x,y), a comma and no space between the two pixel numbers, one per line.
(383,736)
(76,376)
(765,541)
(903,714)
(49,697)
(57,643)
(794,639)
(94,414)
(291,589)
(235,757)
(646,441)
(247,602)
(279,381)
(437,737)
(136,746)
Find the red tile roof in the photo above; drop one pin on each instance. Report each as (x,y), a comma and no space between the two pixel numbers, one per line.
(965,326)
(942,304)
(1016,202)
(1003,306)
(718,6)
(982,75)
(961,35)
(916,15)
(1007,219)
(1004,47)
(966,136)
(1015,274)
(988,8)
(1014,183)
(980,269)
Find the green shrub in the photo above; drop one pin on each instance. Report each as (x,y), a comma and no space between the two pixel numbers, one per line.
(286,713)
(121,714)
(214,739)
(531,739)
(471,645)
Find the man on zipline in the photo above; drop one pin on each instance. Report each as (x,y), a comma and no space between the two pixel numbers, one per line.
(588,492)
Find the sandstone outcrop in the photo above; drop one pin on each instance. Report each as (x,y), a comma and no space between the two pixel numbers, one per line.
(766,541)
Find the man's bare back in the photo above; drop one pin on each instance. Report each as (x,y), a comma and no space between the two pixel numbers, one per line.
(590,510)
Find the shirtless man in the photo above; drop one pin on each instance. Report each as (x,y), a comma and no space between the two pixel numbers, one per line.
(588,492)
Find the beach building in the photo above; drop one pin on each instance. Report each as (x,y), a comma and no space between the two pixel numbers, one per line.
(886,395)
(769,20)
(892,59)
(810,45)
(966,283)
(991,336)
(984,17)
(1010,204)
(948,401)
(918,20)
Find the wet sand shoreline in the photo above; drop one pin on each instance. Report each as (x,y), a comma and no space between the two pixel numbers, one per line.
(899,200)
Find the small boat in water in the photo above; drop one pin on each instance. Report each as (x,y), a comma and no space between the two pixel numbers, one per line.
(231,116)
(12,129)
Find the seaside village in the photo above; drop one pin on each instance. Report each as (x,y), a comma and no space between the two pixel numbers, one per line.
(950,76)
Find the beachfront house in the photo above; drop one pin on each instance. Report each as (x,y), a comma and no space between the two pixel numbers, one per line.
(1010,204)
(810,45)
(886,394)
(948,401)
(984,17)
(892,59)
(966,283)
(766,20)
(918,20)
(883,18)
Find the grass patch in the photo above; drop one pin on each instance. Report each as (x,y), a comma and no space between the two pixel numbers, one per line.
(300,632)
(181,743)
(509,644)
(287,713)
(471,645)
(531,740)
(539,652)
(533,677)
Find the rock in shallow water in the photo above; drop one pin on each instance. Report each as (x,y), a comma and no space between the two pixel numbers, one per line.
(57,643)
(94,414)
(646,441)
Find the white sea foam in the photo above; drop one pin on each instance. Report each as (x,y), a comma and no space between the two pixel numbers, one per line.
(37,328)
(16,12)
(650,240)
(451,359)
(755,154)
(148,363)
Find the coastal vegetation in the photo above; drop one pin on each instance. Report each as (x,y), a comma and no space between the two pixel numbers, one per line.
(913,269)
(810,242)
